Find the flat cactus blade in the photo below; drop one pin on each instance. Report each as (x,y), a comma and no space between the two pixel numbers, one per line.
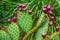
(13,31)
(42,29)
(25,21)
(56,38)
(4,35)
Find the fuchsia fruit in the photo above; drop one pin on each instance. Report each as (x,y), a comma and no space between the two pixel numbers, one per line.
(29,12)
(49,12)
(50,23)
(14,19)
(15,13)
(0,28)
(57,28)
(51,18)
(21,7)
(24,9)
(43,35)
(46,9)
(9,20)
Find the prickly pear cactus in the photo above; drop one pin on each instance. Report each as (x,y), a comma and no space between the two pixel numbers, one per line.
(29,20)
(4,35)
(42,29)
(25,21)
(13,31)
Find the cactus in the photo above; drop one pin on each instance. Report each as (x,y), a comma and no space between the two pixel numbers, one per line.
(56,38)
(14,31)
(30,20)
(4,35)
(42,29)
(25,21)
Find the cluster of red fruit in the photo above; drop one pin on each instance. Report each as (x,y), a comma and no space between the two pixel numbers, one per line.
(46,10)
(20,8)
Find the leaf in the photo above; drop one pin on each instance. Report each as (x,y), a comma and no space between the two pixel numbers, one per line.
(43,29)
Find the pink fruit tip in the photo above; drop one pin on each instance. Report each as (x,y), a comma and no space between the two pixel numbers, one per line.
(47,6)
(19,7)
(9,20)
(0,28)
(30,11)
(15,13)
(24,9)
(23,6)
(57,28)
(50,23)
(43,35)
(51,18)
(14,19)
(49,12)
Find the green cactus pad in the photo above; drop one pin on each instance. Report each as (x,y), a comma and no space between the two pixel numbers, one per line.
(25,21)
(4,35)
(43,29)
(13,31)
(56,38)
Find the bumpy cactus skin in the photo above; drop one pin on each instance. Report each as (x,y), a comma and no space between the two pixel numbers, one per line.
(13,31)
(4,35)
(56,38)
(42,29)
(24,21)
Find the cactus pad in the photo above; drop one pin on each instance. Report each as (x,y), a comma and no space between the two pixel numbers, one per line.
(14,31)
(24,21)
(4,35)
(42,29)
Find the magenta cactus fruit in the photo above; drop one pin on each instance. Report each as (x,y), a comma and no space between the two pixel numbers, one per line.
(0,28)
(15,13)
(50,23)
(49,12)
(24,9)
(23,6)
(43,35)
(46,9)
(47,6)
(57,28)
(14,19)
(51,18)
(9,20)
(19,7)
(29,11)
